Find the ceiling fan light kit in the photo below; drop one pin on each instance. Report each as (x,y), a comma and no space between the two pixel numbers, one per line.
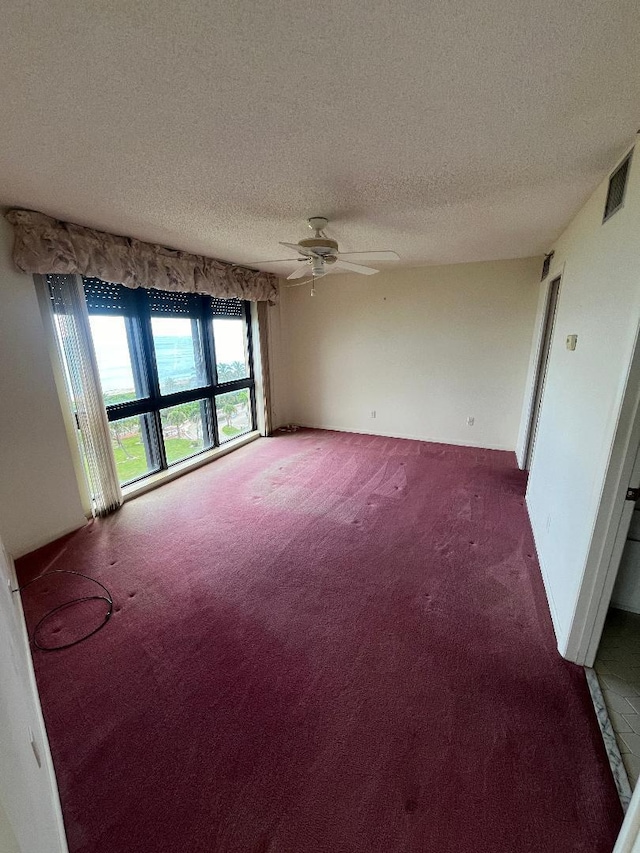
(321,255)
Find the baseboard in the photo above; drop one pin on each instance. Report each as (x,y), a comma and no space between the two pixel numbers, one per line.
(41,542)
(561,638)
(410,436)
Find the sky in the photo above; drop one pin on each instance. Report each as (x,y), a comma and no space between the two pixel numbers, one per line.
(110,342)
(110,339)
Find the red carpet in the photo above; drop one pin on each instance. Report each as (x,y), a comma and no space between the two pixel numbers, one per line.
(322,643)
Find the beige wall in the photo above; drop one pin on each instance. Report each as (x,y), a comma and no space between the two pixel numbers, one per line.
(581,408)
(424,348)
(39,498)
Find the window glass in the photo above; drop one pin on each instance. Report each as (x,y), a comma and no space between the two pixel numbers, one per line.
(134,447)
(179,355)
(166,400)
(233,413)
(232,356)
(118,378)
(184,430)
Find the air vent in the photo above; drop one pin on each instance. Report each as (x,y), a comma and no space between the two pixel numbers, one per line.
(617,187)
(546,264)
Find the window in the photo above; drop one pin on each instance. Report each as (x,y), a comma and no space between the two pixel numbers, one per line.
(179,353)
(176,372)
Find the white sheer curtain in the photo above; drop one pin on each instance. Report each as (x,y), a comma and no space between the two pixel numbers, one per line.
(76,344)
(263,340)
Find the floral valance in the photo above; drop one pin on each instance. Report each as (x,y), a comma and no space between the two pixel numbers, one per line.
(45,245)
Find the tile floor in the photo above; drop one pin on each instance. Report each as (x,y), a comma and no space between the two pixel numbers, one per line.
(618,668)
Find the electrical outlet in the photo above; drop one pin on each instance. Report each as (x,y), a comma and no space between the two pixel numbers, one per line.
(373,413)
(470,421)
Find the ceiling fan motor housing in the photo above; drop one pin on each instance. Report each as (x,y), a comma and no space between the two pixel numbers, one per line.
(320,245)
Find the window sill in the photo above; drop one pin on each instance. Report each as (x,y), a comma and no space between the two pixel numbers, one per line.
(180,468)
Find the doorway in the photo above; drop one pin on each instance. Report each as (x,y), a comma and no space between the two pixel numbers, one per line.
(617,662)
(541,369)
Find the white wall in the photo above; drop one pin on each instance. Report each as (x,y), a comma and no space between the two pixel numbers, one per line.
(8,840)
(30,817)
(424,348)
(39,497)
(581,408)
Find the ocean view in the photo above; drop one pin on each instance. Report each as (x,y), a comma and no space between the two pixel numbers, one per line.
(178,368)
(174,356)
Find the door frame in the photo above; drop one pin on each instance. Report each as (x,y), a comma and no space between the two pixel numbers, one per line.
(524,443)
(629,837)
(611,524)
(547,328)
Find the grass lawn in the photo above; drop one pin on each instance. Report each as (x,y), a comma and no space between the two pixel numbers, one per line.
(133,463)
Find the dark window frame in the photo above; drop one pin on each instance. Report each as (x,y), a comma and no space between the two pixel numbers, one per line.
(136,306)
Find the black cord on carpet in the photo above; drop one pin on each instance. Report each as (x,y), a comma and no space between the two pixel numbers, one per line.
(107,598)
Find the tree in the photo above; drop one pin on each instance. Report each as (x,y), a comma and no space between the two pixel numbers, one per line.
(118,429)
(225,373)
(193,414)
(238,369)
(176,417)
(228,410)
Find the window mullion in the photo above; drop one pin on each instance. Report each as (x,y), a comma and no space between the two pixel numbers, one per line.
(252,390)
(144,313)
(147,344)
(136,356)
(206,316)
(157,421)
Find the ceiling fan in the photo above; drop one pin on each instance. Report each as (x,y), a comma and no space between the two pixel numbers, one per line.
(320,255)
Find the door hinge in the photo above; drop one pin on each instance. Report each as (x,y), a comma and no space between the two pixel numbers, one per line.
(633,494)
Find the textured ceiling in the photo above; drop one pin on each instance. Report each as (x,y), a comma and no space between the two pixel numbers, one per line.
(449,131)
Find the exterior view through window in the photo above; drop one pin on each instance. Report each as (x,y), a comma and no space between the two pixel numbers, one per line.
(176,371)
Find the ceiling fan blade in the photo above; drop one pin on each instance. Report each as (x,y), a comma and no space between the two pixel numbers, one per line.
(345,265)
(298,283)
(369,256)
(301,250)
(303,269)
(276,261)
